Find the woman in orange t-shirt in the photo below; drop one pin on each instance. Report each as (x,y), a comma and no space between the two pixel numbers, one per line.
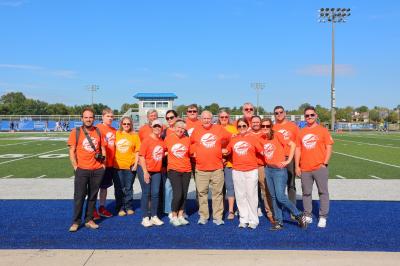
(244,148)
(179,170)
(152,151)
(276,173)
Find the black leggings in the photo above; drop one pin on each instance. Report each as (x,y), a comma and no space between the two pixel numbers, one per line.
(180,185)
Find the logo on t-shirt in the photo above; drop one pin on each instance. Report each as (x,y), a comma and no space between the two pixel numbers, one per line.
(285,133)
(241,147)
(110,138)
(309,141)
(86,145)
(269,150)
(123,145)
(208,140)
(179,150)
(158,153)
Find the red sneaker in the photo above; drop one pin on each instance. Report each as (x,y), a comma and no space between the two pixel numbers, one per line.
(95,215)
(104,213)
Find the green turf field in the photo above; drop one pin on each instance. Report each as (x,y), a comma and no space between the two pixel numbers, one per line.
(368,155)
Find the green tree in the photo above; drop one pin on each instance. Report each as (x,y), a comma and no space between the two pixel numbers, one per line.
(374,115)
(213,108)
(58,109)
(125,107)
(181,110)
(324,114)
(362,109)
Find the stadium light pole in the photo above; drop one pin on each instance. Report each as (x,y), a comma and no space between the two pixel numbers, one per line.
(333,15)
(93,88)
(258,86)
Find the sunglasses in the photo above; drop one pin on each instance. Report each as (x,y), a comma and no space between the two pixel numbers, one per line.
(126,124)
(278,113)
(309,115)
(223,117)
(249,109)
(191,111)
(266,126)
(159,126)
(241,126)
(169,117)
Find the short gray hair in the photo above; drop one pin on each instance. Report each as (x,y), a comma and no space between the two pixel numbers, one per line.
(151,111)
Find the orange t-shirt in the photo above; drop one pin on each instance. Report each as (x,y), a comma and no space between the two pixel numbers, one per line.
(145,131)
(312,142)
(178,153)
(233,131)
(274,149)
(289,130)
(244,150)
(108,134)
(207,145)
(84,152)
(191,125)
(126,147)
(153,151)
(258,135)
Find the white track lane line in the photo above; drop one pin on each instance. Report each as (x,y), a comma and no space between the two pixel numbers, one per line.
(40,176)
(7,176)
(366,143)
(376,177)
(341,177)
(365,159)
(33,155)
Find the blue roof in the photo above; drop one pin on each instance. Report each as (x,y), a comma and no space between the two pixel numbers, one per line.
(155,96)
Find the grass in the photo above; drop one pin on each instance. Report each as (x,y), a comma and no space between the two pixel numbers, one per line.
(382,150)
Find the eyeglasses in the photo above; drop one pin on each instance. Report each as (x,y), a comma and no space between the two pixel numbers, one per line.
(126,124)
(169,117)
(191,111)
(266,126)
(249,109)
(309,115)
(157,125)
(241,126)
(223,117)
(278,113)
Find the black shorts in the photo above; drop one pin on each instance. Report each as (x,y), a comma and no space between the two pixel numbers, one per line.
(108,178)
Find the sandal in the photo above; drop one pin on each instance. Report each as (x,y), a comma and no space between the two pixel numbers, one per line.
(231,216)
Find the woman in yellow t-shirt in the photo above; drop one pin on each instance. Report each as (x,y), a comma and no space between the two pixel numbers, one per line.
(224,121)
(127,145)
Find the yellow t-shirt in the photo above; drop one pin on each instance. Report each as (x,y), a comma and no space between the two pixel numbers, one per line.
(231,129)
(126,147)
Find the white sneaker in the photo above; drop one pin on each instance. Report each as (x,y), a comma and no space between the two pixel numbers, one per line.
(322,222)
(146,222)
(182,220)
(242,225)
(259,212)
(175,221)
(308,220)
(170,216)
(202,221)
(252,226)
(218,222)
(156,221)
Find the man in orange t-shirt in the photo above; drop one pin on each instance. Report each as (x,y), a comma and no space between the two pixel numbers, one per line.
(87,159)
(146,129)
(313,151)
(289,130)
(191,119)
(207,141)
(110,175)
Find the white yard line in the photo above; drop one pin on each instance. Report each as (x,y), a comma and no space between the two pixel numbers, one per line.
(7,176)
(364,137)
(19,143)
(376,177)
(341,177)
(365,159)
(366,143)
(40,176)
(33,155)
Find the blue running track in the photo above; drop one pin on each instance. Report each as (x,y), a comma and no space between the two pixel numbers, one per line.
(352,225)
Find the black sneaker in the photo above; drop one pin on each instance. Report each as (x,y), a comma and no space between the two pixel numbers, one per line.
(301,220)
(276,227)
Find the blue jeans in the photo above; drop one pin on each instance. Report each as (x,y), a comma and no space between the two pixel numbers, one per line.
(230,189)
(167,193)
(276,181)
(126,179)
(151,190)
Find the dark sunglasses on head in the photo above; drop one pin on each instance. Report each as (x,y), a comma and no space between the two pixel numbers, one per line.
(241,126)
(157,126)
(278,113)
(169,117)
(309,115)
(191,111)
(222,117)
(248,109)
(126,124)
(266,126)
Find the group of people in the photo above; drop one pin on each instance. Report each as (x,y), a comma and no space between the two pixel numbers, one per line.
(251,161)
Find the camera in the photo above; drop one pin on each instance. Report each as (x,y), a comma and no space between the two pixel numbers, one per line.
(99,157)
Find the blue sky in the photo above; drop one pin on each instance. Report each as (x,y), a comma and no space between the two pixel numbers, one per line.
(204,51)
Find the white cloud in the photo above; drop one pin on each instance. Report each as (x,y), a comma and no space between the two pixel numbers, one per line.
(63,73)
(11,3)
(178,75)
(325,70)
(223,76)
(69,74)
(22,67)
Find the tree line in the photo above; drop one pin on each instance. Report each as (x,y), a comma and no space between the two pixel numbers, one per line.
(16,103)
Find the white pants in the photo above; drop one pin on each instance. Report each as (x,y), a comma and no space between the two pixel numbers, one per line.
(246,186)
